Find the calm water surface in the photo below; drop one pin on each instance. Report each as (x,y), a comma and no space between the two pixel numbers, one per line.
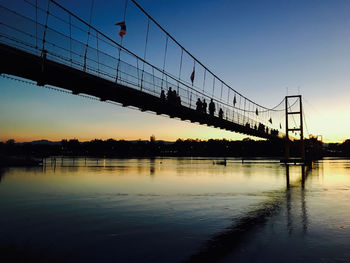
(173,210)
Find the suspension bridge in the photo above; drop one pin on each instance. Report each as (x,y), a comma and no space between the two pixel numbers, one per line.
(44,42)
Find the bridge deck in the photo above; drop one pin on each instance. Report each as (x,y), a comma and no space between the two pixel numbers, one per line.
(25,65)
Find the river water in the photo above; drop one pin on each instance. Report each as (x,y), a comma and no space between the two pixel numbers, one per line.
(176,209)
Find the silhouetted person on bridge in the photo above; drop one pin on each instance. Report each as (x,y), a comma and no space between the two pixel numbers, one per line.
(173,98)
(169,95)
(204,106)
(274,132)
(221,113)
(162,95)
(199,105)
(178,99)
(211,107)
(261,127)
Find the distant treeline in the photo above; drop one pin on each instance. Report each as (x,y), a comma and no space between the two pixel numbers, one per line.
(338,149)
(189,147)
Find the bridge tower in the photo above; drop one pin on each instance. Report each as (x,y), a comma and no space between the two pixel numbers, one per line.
(299,113)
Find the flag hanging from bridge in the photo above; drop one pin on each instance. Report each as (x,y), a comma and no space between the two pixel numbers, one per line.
(270,120)
(234,100)
(192,75)
(256,111)
(122,31)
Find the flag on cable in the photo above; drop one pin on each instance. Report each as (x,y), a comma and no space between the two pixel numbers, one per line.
(256,112)
(270,120)
(192,75)
(122,31)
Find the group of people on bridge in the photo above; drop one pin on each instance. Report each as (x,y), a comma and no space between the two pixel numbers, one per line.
(172,97)
(202,107)
(261,127)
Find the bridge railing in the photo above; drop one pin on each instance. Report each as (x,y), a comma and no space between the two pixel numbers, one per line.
(69,40)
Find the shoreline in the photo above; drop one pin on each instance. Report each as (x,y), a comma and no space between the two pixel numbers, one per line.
(33,161)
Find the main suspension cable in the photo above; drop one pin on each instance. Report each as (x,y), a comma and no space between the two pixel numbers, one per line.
(193,57)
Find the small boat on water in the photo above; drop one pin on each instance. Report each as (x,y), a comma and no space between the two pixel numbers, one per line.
(221,162)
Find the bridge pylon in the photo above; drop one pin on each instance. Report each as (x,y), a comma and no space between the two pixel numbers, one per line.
(299,113)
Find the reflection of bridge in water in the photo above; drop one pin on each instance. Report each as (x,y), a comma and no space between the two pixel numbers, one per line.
(226,242)
(52,46)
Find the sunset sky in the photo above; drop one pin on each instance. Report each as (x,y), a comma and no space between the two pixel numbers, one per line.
(263,49)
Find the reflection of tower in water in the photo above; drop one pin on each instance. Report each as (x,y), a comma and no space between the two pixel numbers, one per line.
(231,238)
(288,202)
(303,201)
(289,190)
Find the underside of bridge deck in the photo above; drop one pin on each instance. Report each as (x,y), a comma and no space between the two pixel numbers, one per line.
(47,72)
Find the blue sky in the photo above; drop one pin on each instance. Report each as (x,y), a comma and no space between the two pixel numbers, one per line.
(261,48)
